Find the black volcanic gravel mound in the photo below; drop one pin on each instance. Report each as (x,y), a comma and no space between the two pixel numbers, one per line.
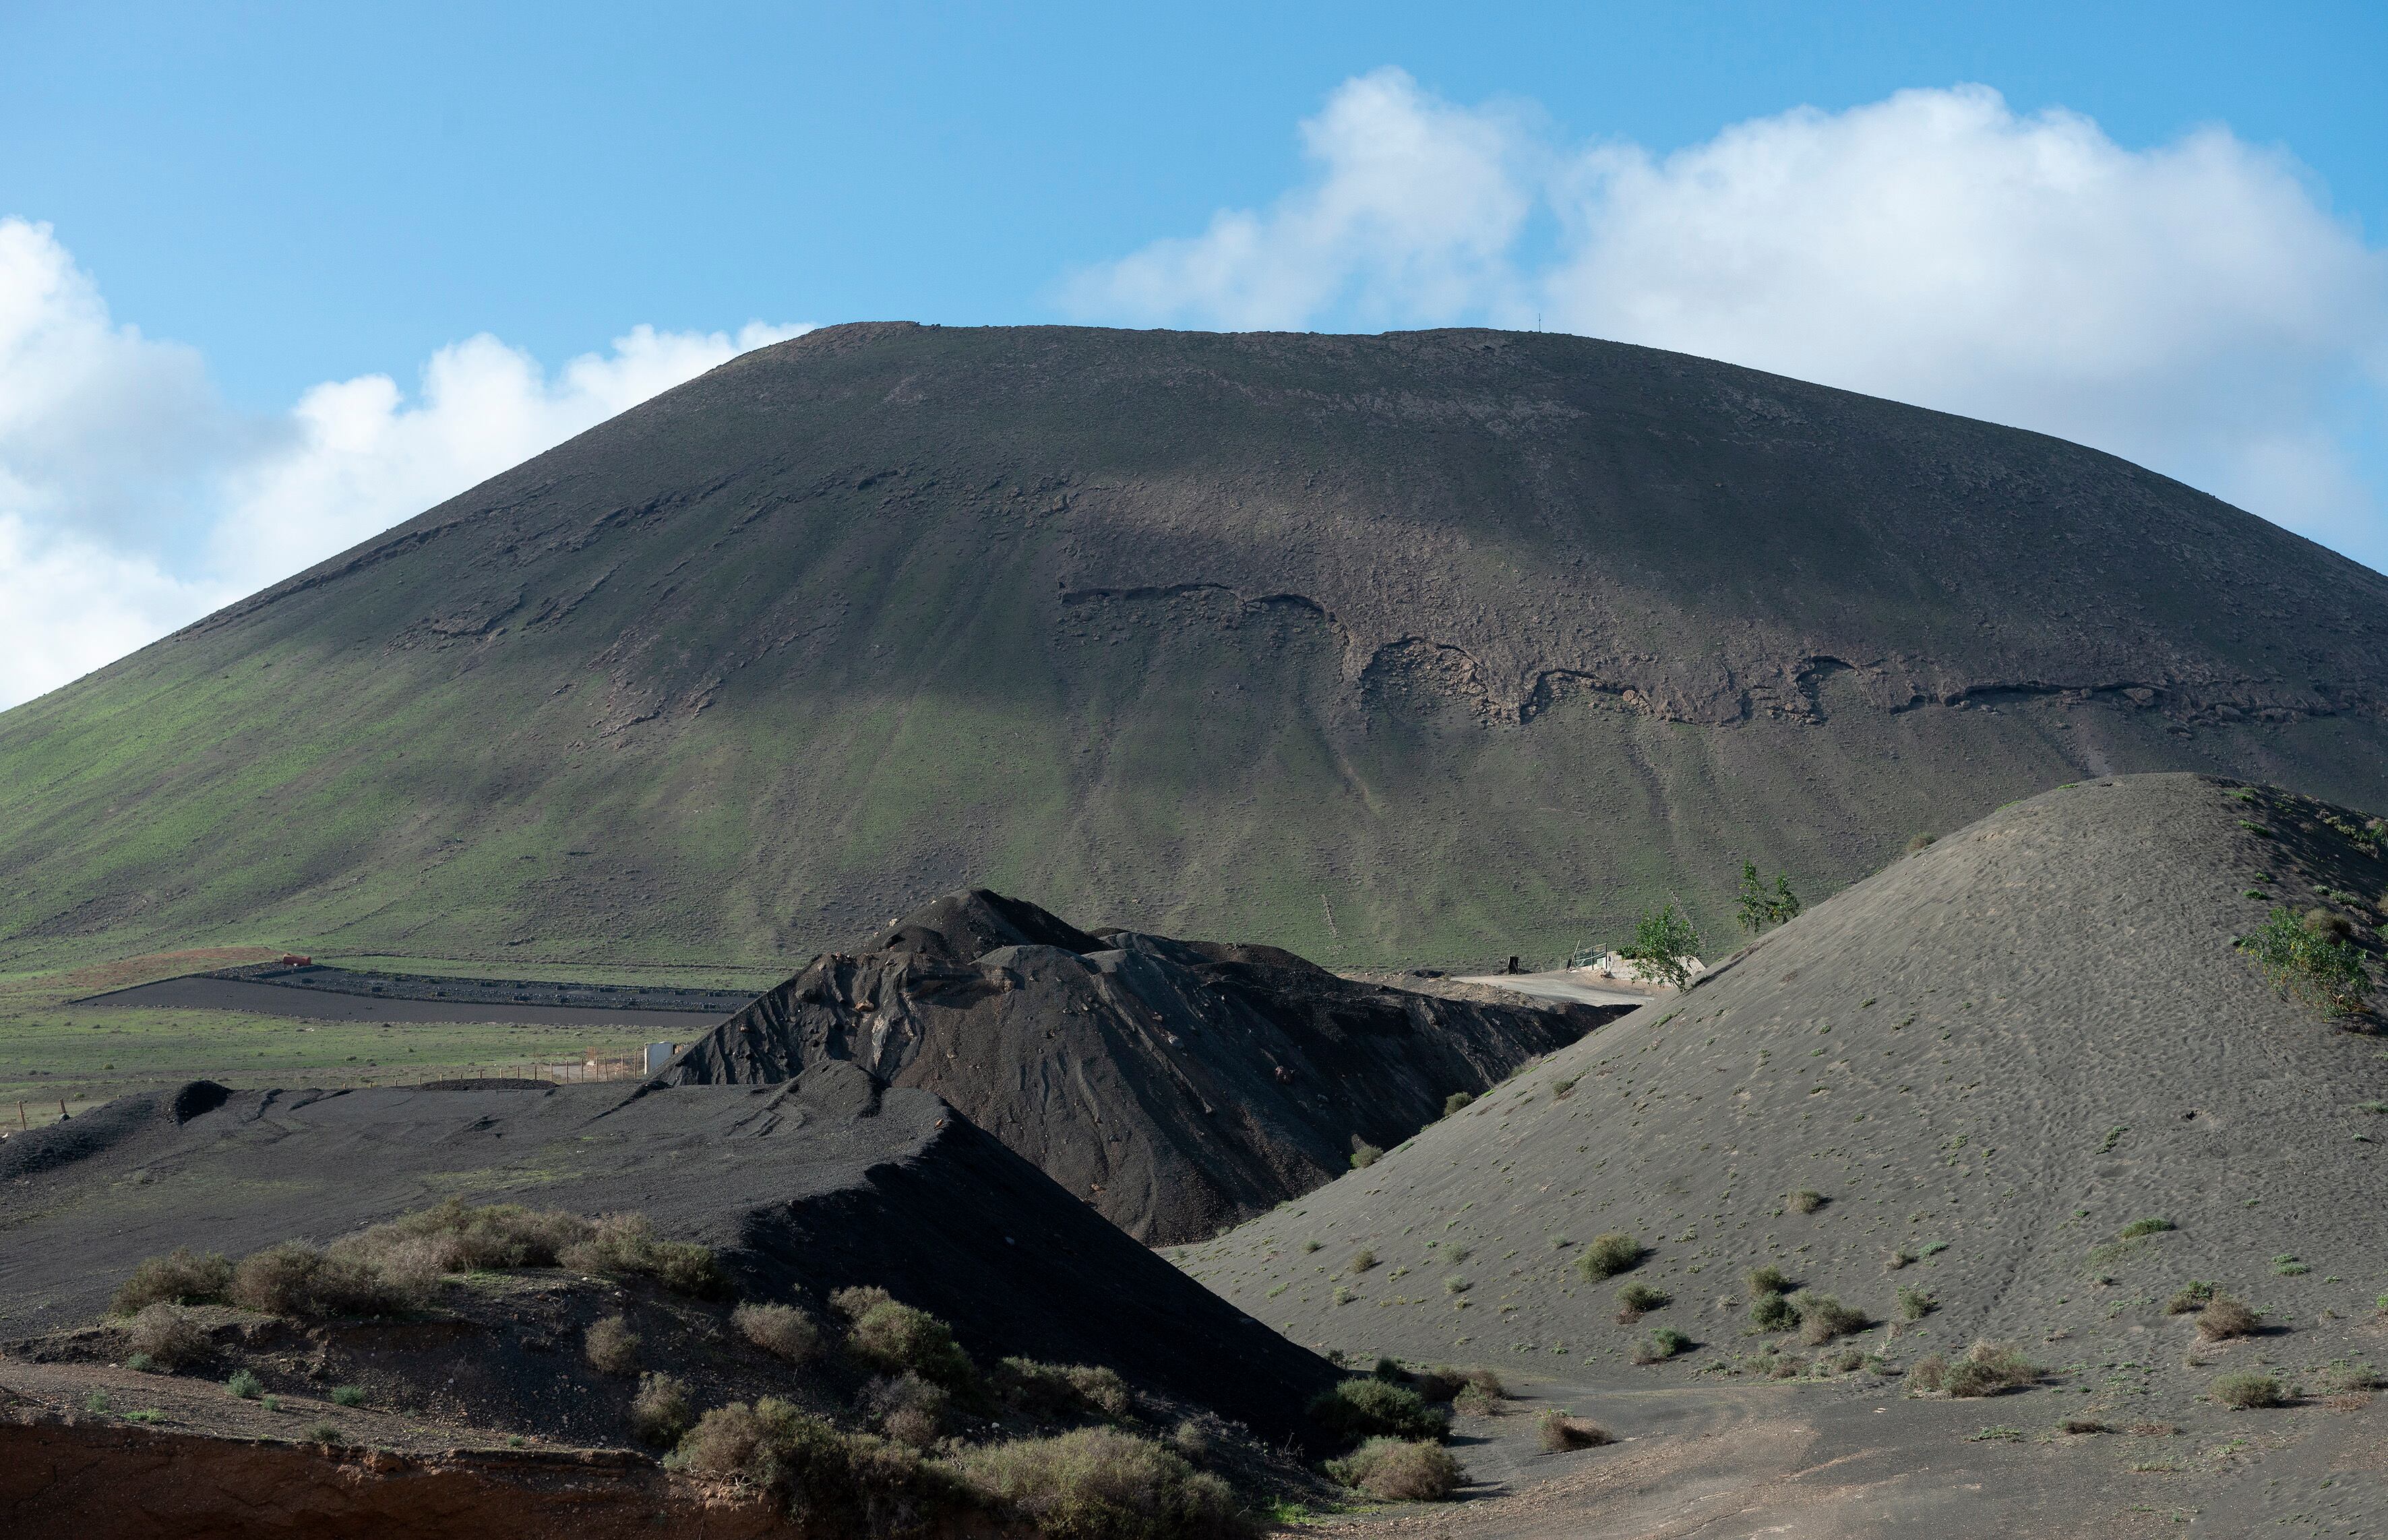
(2025,1075)
(801,1188)
(1176,1086)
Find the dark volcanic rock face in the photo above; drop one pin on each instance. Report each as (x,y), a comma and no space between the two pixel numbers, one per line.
(1416,648)
(800,1188)
(1176,1086)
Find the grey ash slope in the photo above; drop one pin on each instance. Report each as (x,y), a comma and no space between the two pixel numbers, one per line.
(1176,1086)
(2010,1046)
(801,1188)
(1429,646)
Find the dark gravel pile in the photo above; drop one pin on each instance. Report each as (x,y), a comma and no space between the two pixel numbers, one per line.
(1176,1086)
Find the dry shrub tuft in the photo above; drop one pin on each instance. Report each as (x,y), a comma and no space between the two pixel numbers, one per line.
(2224,1318)
(295,1278)
(168,1337)
(612,1346)
(1823,1318)
(660,1410)
(625,1243)
(781,1331)
(182,1276)
(907,1409)
(1806,1200)
(1393,1469)
(1928,1375)
(1988,1367)
(2191,1298)
(832,1483)
(1055,1391)
(456,1237)
(1559,1431)
(855,1303)
(2247,1391)
(1768,1279)
(1100,1484)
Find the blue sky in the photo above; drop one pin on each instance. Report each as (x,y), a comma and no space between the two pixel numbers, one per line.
(304,199)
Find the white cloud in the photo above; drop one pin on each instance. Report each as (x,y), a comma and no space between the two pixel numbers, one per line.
(133,500)
(1415,207)
(2193,306)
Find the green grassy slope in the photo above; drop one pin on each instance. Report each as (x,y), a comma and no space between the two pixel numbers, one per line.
(1410,649)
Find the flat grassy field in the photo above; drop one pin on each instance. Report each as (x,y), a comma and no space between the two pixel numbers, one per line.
(54,1052)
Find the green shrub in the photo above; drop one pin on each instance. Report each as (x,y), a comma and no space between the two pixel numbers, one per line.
(1659,1345)
(2246,1391)
(660,1410)
(1806,1200)
(243,1384)
(781,1331)
(1362,1260)
(1768,1279)
(1457,1102)
(98,1403)
(2138,1227)
(2287,1266)
(1363,1154)
(1100,1484)
(1608,1255)
(2224,1318)
(1053,1391)
(1355,1409)
(1393,1470)
(1771,1312)
(2191,1298)
(2311,963)
(612,1346)
(141,1363)
(182,1276)
(166,1337)
(327,1434)
(1560,1431)
(1914,1303)
(1761,906)
(895,1339)
(1636,1300)
(347,1395)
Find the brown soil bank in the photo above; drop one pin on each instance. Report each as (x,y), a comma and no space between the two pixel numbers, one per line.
(1176,1086)
(1416,648)
(801,1188)
(2025,1074)
(95,1482)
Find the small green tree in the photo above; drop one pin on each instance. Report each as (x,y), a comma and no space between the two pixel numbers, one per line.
(1664,944)
(1762,907)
